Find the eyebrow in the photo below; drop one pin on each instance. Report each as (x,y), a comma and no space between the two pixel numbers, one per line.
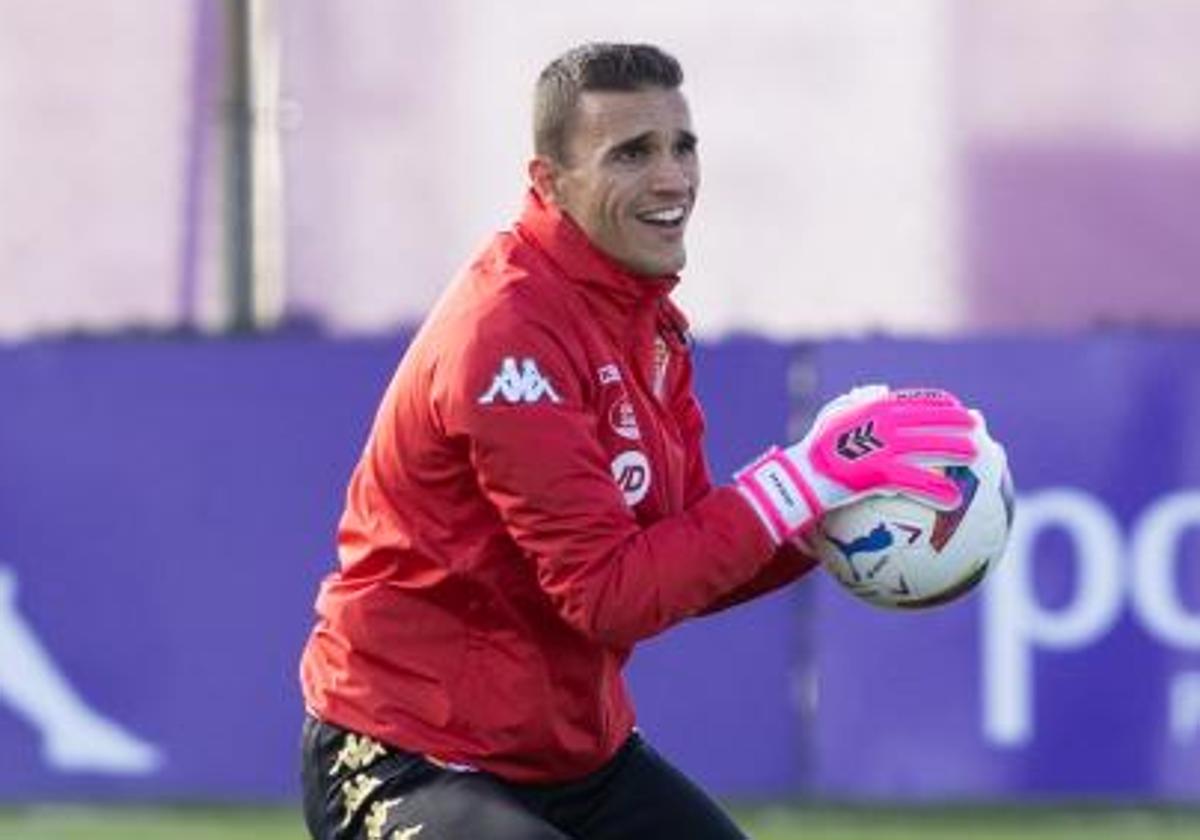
(644,139)
(640,141)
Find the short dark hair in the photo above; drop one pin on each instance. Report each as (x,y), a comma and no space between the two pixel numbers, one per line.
(595,66)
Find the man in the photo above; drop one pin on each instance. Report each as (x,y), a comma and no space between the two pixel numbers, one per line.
(533,501)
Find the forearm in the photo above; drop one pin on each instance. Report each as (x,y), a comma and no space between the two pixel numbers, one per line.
(661,575)
(789,563)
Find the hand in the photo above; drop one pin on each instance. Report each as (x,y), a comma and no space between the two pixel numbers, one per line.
(871,440)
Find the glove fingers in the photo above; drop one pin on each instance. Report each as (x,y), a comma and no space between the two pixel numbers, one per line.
(926,484)
(850,400)
(933,446)
(924,396)
(946,417)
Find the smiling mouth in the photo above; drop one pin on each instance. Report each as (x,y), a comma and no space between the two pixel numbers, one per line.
(667,217)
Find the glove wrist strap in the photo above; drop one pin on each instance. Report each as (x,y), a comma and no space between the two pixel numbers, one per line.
(779,494)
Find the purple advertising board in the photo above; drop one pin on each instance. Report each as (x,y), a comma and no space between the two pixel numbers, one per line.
(1075,670)
(166,510)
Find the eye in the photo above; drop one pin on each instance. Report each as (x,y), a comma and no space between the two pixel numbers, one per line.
(685,146)
(630,154)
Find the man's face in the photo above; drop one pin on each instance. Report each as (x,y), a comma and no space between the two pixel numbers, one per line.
(630,176)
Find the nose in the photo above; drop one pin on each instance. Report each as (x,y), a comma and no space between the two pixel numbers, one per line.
(673,174)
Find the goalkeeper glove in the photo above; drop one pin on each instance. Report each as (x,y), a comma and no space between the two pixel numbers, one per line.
(868,441)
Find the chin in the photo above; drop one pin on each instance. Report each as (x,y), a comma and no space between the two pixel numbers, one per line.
(674,266)
(661,266)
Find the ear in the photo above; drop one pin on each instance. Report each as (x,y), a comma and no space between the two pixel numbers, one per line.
(543,174)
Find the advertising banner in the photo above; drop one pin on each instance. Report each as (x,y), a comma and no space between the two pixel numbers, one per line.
(168,507)
(166,511)
(1075,670)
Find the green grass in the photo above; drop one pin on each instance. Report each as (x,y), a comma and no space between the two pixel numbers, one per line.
(970,823)
(58,822)
(773,823)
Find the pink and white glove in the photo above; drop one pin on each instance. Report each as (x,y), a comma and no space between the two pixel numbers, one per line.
(870,440)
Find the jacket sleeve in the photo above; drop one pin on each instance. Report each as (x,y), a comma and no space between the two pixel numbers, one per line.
(787,564)
(515,397)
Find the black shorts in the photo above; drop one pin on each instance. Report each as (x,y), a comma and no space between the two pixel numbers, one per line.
(357,789)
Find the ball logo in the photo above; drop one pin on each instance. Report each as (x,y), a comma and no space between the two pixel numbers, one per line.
(623,420)
(631,471)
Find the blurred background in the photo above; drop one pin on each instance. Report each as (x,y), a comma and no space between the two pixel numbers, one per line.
(221,221)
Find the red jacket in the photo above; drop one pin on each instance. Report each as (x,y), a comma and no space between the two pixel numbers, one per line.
(532,501)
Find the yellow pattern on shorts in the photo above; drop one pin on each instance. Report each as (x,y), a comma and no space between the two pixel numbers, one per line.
(355,792)
(379,813)
(357,752)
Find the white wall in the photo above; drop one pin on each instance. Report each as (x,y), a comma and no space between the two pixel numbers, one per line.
(93,107)
(827,198)
(835,140)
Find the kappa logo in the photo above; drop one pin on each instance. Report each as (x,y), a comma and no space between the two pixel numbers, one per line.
(516,384)
(631,471)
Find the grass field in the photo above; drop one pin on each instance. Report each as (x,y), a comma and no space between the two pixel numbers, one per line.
(794,823)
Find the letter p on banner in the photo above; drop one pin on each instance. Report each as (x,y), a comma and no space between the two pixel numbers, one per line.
(1015,623)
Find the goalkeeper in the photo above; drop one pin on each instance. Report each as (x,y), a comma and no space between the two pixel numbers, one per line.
(533,501)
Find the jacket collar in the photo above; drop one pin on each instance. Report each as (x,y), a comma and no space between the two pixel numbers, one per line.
(562,240)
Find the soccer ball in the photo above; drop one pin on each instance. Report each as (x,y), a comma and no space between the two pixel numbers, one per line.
(895,551)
